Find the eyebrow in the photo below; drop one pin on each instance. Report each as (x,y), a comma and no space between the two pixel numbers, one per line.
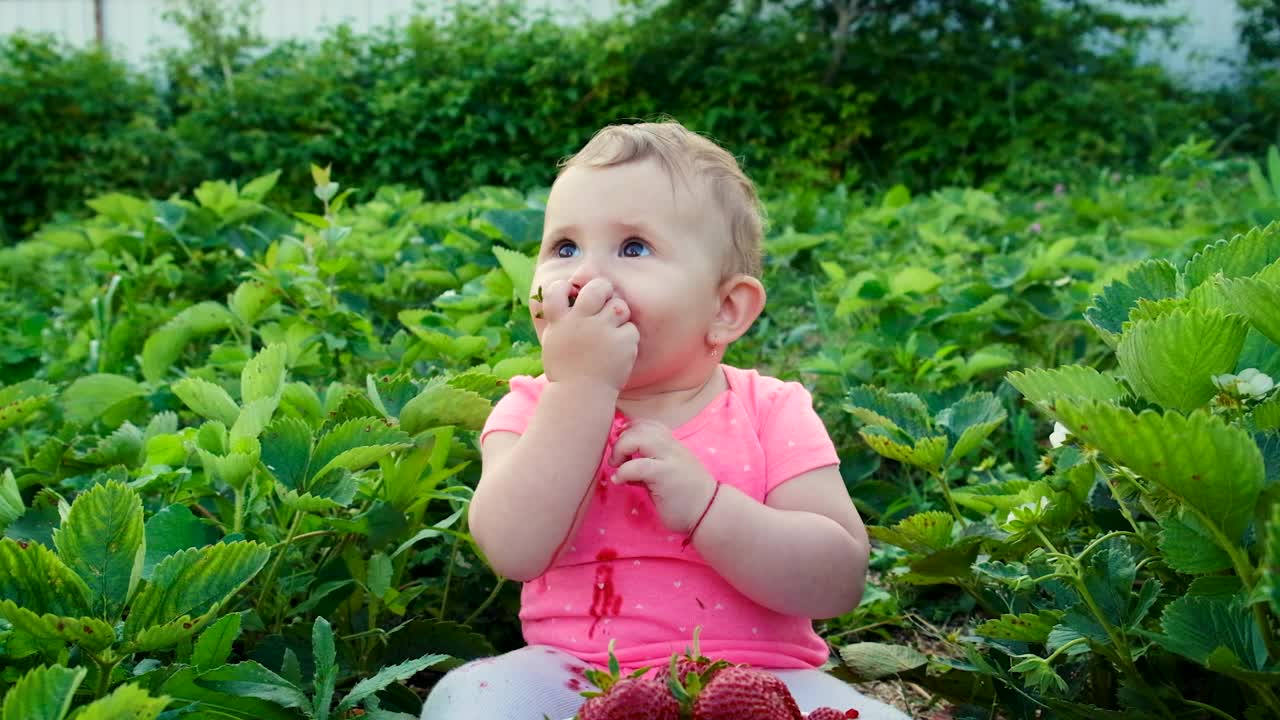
(638,227)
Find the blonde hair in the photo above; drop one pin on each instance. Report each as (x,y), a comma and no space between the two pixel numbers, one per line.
(687,154)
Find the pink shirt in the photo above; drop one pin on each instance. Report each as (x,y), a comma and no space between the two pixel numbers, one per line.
(624,576)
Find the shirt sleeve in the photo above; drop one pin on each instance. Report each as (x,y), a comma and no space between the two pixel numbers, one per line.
(793,436)
(513,412)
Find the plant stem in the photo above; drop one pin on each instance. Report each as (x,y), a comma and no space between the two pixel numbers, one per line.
(1121,645)
(448,578)
(946,492)
(105,667)
(237,524)
(275,563)
(1268,697)
(487,601)
(1209,708)
(1040,534)
(1063,649)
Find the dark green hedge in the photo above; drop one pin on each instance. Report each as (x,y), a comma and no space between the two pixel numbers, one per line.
(967,91)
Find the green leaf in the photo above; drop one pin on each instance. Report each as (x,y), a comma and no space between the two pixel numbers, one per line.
(127,702)
(872,661)
(165,345)
(215,643)
(1268,587)
(264,375)
(253,418)
(308,503)
(45,693)
(1259,301)
(354,444)
(172,529)
(191,583)
(233,468)
(1025,627)
(914,280)
(1196,626)
(519,267)
(216,195)
(34,578)
(441,404)
(987,359)
(944,566)
(257,188)
(926,454)
(385,677)
(970,421)
(124,209)
(1152,279)
(921,533)
(249,679)
(94,396)
(326,665)
(1201,460)
(186,686)
(1266,416)
(21,400)
(286,451)
(1189,549)
(207,399)
(1240,256)
(1044,387)
(250,300)
(11,507)
(102,540)
(903,413)
(379,575)
(91,634)
(1172,360)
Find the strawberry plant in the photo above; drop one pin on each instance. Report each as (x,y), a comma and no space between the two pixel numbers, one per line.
(1145,550)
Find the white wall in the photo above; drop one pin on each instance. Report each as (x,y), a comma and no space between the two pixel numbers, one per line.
(135,30)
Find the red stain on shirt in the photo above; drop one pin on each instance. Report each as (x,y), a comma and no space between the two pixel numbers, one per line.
(605,600)
(574,684)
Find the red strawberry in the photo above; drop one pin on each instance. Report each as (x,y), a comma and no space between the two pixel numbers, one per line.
(826,713)
(742,692)
(643,698)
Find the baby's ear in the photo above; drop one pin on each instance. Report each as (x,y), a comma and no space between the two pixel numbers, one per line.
(742,299)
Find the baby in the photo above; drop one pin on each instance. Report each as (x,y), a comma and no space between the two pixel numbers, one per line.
(641,488)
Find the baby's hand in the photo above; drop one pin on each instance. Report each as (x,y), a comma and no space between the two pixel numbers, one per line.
(586,334)
(678,482)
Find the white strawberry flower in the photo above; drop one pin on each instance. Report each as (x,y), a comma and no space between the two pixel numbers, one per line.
(1029,513)
(1059,435)
(1249,383)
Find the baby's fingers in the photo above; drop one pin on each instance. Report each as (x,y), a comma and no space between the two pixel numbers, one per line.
(637,472)
(554,301)
(641,439)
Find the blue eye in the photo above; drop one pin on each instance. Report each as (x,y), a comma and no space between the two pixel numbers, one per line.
(566,249)
(634,248)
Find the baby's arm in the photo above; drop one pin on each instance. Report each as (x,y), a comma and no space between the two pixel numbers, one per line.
(804,552)
(533,486)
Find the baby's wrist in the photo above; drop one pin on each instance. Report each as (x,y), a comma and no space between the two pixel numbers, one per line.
(588,388)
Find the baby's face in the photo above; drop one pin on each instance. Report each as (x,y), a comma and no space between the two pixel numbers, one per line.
(661,246)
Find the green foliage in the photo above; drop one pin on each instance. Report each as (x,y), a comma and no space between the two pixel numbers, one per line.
(77,123)
(800,93)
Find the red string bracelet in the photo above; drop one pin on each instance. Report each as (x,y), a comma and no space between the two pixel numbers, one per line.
(689,538)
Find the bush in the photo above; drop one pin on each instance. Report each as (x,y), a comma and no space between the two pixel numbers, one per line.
(77,123)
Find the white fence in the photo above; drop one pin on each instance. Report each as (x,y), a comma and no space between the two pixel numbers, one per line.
(135,29)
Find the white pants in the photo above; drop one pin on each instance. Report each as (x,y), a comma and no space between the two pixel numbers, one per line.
(538,681)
